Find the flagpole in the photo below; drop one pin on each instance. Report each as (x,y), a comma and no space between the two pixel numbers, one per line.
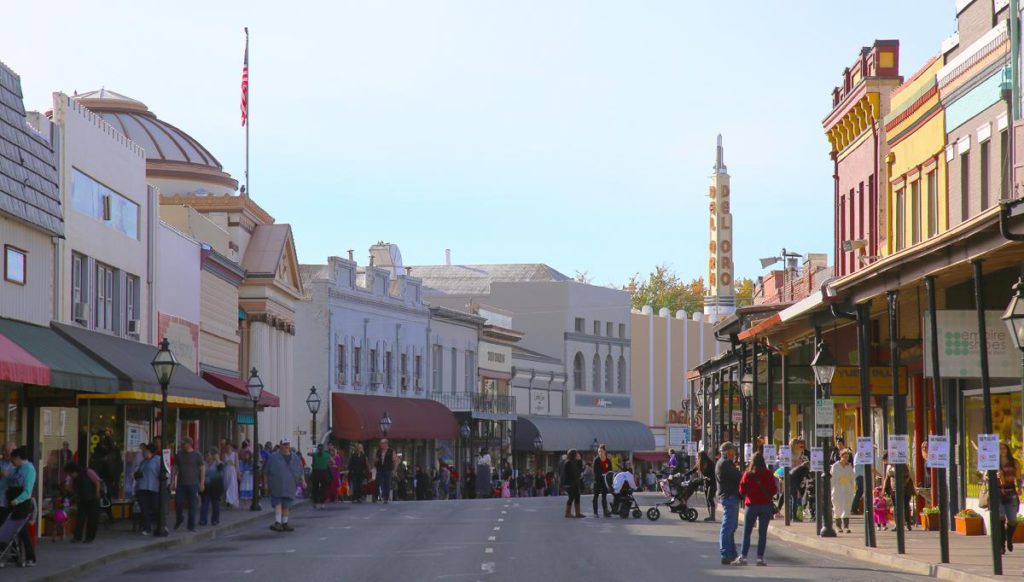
(247,105)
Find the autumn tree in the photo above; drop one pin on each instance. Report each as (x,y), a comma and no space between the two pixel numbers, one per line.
(664,288)
(744,292)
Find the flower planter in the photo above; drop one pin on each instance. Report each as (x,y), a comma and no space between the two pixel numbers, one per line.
(970,526)
(930,522)
(1018,534)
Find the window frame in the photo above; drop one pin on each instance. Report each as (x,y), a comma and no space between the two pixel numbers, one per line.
(104,297)
(915,212)
(932,194)
(900,219)
(11,249)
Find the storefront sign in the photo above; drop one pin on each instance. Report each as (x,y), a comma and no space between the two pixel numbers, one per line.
(865,451)
(677,435)
(539,402)
(846,381)
(748,450)
(824,412)
(770,456)
(691,448)
(958,345)
(785,456)
(988,452)
(898,450)
(823,431)
(938,452)
(817,459)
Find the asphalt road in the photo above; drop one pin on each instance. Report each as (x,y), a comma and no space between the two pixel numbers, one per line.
(497,539)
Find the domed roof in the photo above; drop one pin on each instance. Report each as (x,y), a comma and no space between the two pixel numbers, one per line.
(170,152)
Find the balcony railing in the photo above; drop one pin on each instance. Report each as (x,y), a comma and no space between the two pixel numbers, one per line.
(477,403)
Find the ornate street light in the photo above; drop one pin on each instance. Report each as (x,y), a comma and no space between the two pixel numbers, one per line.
(747,385)
(313,403)
(385,424)
(1014,315)
(464,430)
(823,365)
(164,364)
(538,444)
(255,388)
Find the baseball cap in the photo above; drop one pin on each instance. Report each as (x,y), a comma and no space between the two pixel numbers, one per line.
(283,442)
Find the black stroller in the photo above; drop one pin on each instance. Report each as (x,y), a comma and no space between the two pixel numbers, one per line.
(678,492)
(623,502)
(10,548)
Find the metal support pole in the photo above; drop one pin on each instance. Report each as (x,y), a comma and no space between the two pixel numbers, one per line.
(986,391)
(769,432)
(864,362)
(744,414)
(825,492)
(721,406)
(940,474)
(755,423)
(729,421)
(785,438)
(899,412)
(164,496)
(257,459)
(820,492)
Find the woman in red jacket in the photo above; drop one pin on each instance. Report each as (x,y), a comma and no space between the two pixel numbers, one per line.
(757,485)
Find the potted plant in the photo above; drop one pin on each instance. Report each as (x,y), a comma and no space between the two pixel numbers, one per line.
(1018,534)
(930,518)
(969,523)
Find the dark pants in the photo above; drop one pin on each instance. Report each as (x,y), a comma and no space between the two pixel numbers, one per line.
(321,479)
(147,507)
(859,496)
(28,545)
(574,495)
(601,489)
(210,504)
(761,514)
(88,518)
(355,485)
(384,485)
(186,495)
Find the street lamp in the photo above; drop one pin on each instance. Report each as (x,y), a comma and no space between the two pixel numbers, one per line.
(538,444)
(595,445)
(1014,315)
(255,387)
(385,424)
(164,364)
(313,402)
(824,367)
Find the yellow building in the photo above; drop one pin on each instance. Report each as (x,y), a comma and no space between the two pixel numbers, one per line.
(917,205)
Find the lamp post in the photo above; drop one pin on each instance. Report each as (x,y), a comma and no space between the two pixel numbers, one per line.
(747,390)
(538,446)
(385,425)
(824,367)
(164,364)
(255,387)
(313,403)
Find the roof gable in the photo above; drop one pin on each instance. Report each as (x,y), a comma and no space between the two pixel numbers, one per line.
(271,254)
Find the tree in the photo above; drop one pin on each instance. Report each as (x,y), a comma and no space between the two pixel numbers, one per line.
(744,292)
(664,288)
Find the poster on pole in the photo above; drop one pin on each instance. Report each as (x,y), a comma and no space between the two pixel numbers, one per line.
(770,456)
(988,452)
(817,459)
(691,448)
(785,456)
(824,412)
(865,451)
(898,450)
(748,450)
(938,452)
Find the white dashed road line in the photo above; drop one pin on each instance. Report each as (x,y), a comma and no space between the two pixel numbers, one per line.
(491,538)
(487,567)
(497,528)
(488,550)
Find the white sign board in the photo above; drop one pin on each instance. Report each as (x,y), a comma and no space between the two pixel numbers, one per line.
(748,450)
(785,456)
(938,452)
(824,412)
(691,448)
(958,342)
(817,459)
(898,450)
(865,451)
(770,456)
(988,452)
(823,431)
(677,435)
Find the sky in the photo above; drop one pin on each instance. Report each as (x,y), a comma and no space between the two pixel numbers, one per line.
(576,133)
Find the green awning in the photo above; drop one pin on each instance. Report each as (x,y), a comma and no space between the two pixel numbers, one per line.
(70,367)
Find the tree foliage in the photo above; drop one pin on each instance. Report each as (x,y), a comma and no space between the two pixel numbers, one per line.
(664,288)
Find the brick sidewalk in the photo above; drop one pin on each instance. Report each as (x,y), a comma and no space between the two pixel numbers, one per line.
(64,560)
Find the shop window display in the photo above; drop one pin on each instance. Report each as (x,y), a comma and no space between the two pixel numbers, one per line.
(1006,422)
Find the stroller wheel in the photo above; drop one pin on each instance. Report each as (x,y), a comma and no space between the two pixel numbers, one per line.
(637,514)
(653,514)
(690,514)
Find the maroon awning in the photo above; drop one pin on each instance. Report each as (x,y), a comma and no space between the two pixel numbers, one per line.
(651,457)
(236,385)
(356,417)
(493,375)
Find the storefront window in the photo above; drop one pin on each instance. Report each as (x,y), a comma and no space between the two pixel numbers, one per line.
(102,429)
(1006,422)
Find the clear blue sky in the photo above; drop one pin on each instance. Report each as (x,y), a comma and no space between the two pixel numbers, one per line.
(575,133)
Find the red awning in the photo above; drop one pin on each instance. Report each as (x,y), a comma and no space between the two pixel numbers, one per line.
(21,367)
(357,418)
(651,457)
(493,375)
(236,385)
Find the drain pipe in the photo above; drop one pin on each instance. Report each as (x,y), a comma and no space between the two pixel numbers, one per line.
(1005,209)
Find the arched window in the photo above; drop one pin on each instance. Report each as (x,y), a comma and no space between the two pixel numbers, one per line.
(597,373)
(577,371)
(609,374)
(622,374)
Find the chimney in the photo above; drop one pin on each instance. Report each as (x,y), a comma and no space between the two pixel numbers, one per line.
(351,255)
(448,257)
(371,260)
(408,271)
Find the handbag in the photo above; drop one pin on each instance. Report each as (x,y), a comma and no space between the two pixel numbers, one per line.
(983,499)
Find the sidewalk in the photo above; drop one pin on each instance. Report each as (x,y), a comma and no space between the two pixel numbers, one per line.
(970,556)
(64,560)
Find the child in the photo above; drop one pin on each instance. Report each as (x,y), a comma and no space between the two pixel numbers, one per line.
(881,510)
(60,506)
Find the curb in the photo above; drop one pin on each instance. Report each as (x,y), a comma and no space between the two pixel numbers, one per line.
(210,534)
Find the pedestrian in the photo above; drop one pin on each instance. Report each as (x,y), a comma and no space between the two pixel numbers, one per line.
(673,463)
(728,477)
(85,486)
(321,476)
(856,508)
(245,485)
(1009,493)
(282,478)
(573,481)
(880,509)
(484,488)
(652,480)
(908,489)
(757,485)
(800,468)
(213,488)
(188,477)
(147,487)
(384,464)
(6,471)
(706,470)
(230,475)
(358,469)
(337,462)
(422,483)
(843,488)
(444,481)
(602,467)
(20,488)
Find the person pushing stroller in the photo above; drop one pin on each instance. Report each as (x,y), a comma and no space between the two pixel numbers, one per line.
(623,485)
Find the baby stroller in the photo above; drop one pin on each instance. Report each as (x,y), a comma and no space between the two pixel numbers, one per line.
(678,493)
(624,504)
(10,548)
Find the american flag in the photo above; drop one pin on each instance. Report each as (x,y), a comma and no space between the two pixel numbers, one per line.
(245,80)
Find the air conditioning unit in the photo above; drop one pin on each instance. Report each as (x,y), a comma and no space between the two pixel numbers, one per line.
(405,382)
(80,313)
(377,378)
(134,327)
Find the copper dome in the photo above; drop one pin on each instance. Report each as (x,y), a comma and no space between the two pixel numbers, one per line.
(170,152)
